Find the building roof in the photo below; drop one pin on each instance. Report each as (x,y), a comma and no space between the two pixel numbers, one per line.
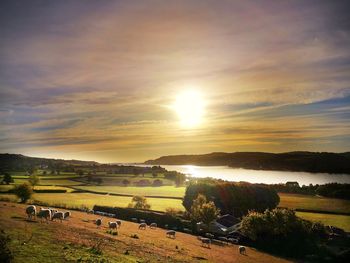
(228,220)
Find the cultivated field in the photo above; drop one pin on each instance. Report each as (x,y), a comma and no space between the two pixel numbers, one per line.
(89,200)
(166,191)
(79,240)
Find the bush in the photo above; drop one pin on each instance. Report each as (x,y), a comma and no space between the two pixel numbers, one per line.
(233,198)
(281,231)
(23,191)
(157,182)
(50,191)
(139,202)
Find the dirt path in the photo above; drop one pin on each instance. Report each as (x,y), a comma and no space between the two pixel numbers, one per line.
(152,245)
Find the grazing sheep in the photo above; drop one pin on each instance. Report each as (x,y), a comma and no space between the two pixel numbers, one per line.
(44,213)
(53,210)
(242,250)
(112,225)
(206,242)
(67,214)
(98,222)
(142,226)
(31,211)
(208,235)
(90,211)
(58,215)
(153,225)
(119,223)
(171,233)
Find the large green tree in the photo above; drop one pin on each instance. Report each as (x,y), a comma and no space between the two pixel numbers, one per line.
(203,211)
(23,191)
(7,179)
(139,202)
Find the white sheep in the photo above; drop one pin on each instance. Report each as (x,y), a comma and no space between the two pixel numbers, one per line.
(242,250)
(58,215)
(142,226)
(98,222)
(112,225)
(153,225)
(31,211)
(171,233)
(44,213)
(206,242)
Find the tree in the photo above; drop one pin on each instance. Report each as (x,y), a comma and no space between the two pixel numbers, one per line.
(34,180)
(126,182)
(23,191)
(203,211)
(139,202)
(7,178)
(157,182)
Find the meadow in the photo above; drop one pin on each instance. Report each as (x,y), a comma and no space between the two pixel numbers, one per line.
(79,240)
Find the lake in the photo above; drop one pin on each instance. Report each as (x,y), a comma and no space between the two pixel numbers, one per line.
(258,176)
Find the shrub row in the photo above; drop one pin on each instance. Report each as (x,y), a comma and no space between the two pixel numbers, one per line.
(162,219)
(50,191)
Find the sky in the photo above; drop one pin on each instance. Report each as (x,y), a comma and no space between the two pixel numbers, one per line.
(96,80)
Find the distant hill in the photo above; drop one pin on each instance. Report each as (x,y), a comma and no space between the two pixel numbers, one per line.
(19,162)
(315,162)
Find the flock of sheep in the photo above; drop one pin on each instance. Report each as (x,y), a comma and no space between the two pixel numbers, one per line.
(46,213)
(52,214)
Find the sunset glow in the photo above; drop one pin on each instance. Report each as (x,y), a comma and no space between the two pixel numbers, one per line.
(189,106)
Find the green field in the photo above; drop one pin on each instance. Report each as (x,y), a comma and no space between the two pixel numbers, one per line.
(89,200)
(169,191)
(341,221)
(297,201)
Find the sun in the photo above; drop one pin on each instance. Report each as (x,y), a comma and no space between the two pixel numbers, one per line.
(189,106)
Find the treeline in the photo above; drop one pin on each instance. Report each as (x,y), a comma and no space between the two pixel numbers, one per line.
(233,198)
(315,162)
(334,190)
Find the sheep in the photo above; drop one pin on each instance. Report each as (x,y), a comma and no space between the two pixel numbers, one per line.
(242,250)
(142,221)
(206,242)
(98,222)
(142,226)
(171,233)
(53,210)
(153,225)
(31,211)
(58,215)
(44,213)
(90,211)
(112,225)
(67,214)
(119,223)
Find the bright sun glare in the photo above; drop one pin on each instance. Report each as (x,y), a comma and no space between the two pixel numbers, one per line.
(189,106)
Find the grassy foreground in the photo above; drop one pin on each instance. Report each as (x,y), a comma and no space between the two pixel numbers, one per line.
(79,240)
